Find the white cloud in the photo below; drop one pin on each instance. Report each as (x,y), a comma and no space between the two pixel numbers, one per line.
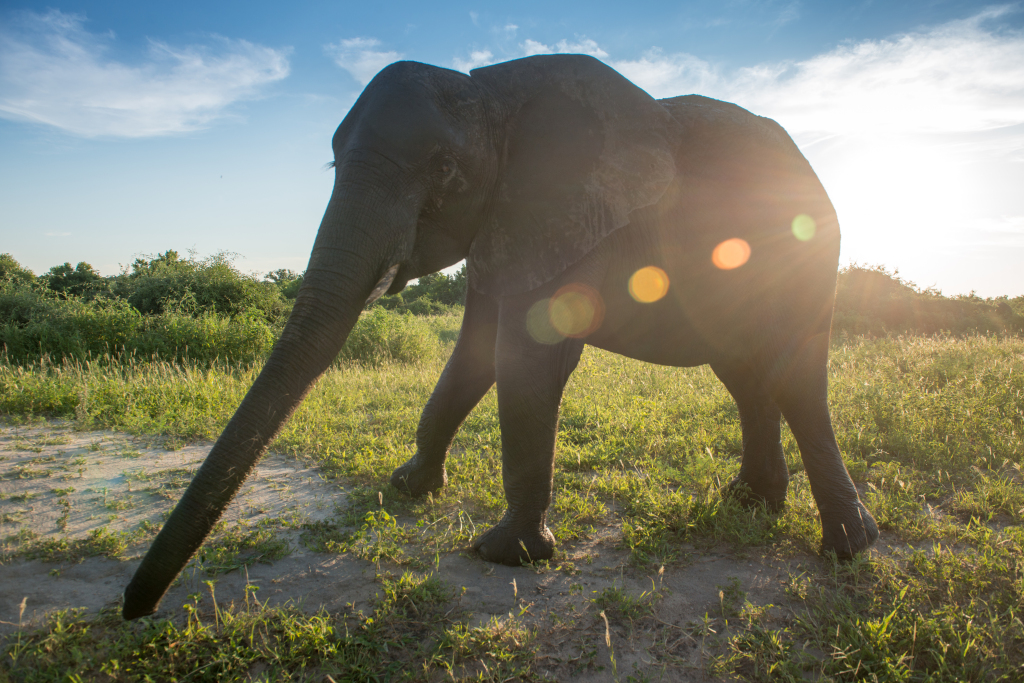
(53,71)
(531,47)
(360,57)
(528,48)
(667,75)
(583,46)
(955,77)
(477,58)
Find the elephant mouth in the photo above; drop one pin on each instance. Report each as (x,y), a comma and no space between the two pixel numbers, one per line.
(382,285)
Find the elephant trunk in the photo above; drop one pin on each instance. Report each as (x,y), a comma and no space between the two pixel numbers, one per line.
(336,286)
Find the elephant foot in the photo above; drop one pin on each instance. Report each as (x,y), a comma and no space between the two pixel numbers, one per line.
(848,531)
(418,479)
(514,543)
(773,498)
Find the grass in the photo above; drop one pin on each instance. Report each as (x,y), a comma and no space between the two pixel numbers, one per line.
(932,429)
(218,642)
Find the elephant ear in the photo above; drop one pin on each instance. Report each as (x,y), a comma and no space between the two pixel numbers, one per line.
(584,148)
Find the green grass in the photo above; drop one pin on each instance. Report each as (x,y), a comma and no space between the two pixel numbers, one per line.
(932,429)
(218,642)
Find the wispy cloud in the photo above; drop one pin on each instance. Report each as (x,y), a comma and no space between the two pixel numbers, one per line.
(788,14)
(955,77)
(528,48)
(477,58)
(361,57)
(53,71)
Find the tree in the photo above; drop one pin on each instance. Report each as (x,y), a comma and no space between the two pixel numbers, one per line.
(288,281)
(12,271)
(82,280)
(193,285)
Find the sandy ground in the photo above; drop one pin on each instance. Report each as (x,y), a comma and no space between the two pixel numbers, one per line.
(120,483)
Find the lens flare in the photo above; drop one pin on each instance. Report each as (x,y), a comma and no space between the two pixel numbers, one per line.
(576,310)
(538,324)
(804,227)
(731,254)
(649,284)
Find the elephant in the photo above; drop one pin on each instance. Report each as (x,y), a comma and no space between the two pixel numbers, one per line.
(682,231)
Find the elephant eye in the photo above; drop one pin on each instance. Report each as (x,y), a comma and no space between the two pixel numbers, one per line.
(447,172)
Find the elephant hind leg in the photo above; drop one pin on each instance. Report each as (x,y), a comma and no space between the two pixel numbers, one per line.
(764,474)
(802,392)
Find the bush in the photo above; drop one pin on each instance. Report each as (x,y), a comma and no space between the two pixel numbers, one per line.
(81,281)
(873,300)
(431,295)
(11,271)
(36,324)
(382,336)
(287,281)
(193,286)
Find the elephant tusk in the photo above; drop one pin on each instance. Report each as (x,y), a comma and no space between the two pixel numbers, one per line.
(383,285)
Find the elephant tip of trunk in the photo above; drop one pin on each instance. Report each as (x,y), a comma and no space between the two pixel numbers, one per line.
(136,606)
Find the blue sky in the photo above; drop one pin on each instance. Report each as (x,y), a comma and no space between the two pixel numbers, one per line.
(129,128)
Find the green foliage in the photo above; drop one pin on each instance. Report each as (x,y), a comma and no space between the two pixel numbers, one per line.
(35,324)
(430,295)
(873,300)
(382,336)
(80,281)
(195,286)
(11,271)
(288,281)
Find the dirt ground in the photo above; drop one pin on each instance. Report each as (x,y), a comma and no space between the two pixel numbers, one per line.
(119,483)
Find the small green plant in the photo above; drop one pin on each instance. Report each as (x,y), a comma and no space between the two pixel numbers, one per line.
(239,546)
(620,604)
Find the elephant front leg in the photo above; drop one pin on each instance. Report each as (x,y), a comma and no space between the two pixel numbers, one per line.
(467,376)
(531,377)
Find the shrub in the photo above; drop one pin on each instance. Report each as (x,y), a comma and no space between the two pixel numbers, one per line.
(287,281)
(382,336)
(11,271)
(36,323)
(81,280)
(873,300)
(194,286)
(432,294)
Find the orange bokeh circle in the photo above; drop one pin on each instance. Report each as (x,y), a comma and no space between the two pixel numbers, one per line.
(731,253)
(648,284)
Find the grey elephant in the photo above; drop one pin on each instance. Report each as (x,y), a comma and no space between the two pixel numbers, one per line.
(682,231)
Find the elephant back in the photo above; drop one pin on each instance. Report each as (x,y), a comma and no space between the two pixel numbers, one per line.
(582,149)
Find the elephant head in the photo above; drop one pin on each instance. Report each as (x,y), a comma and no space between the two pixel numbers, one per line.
(521,168)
